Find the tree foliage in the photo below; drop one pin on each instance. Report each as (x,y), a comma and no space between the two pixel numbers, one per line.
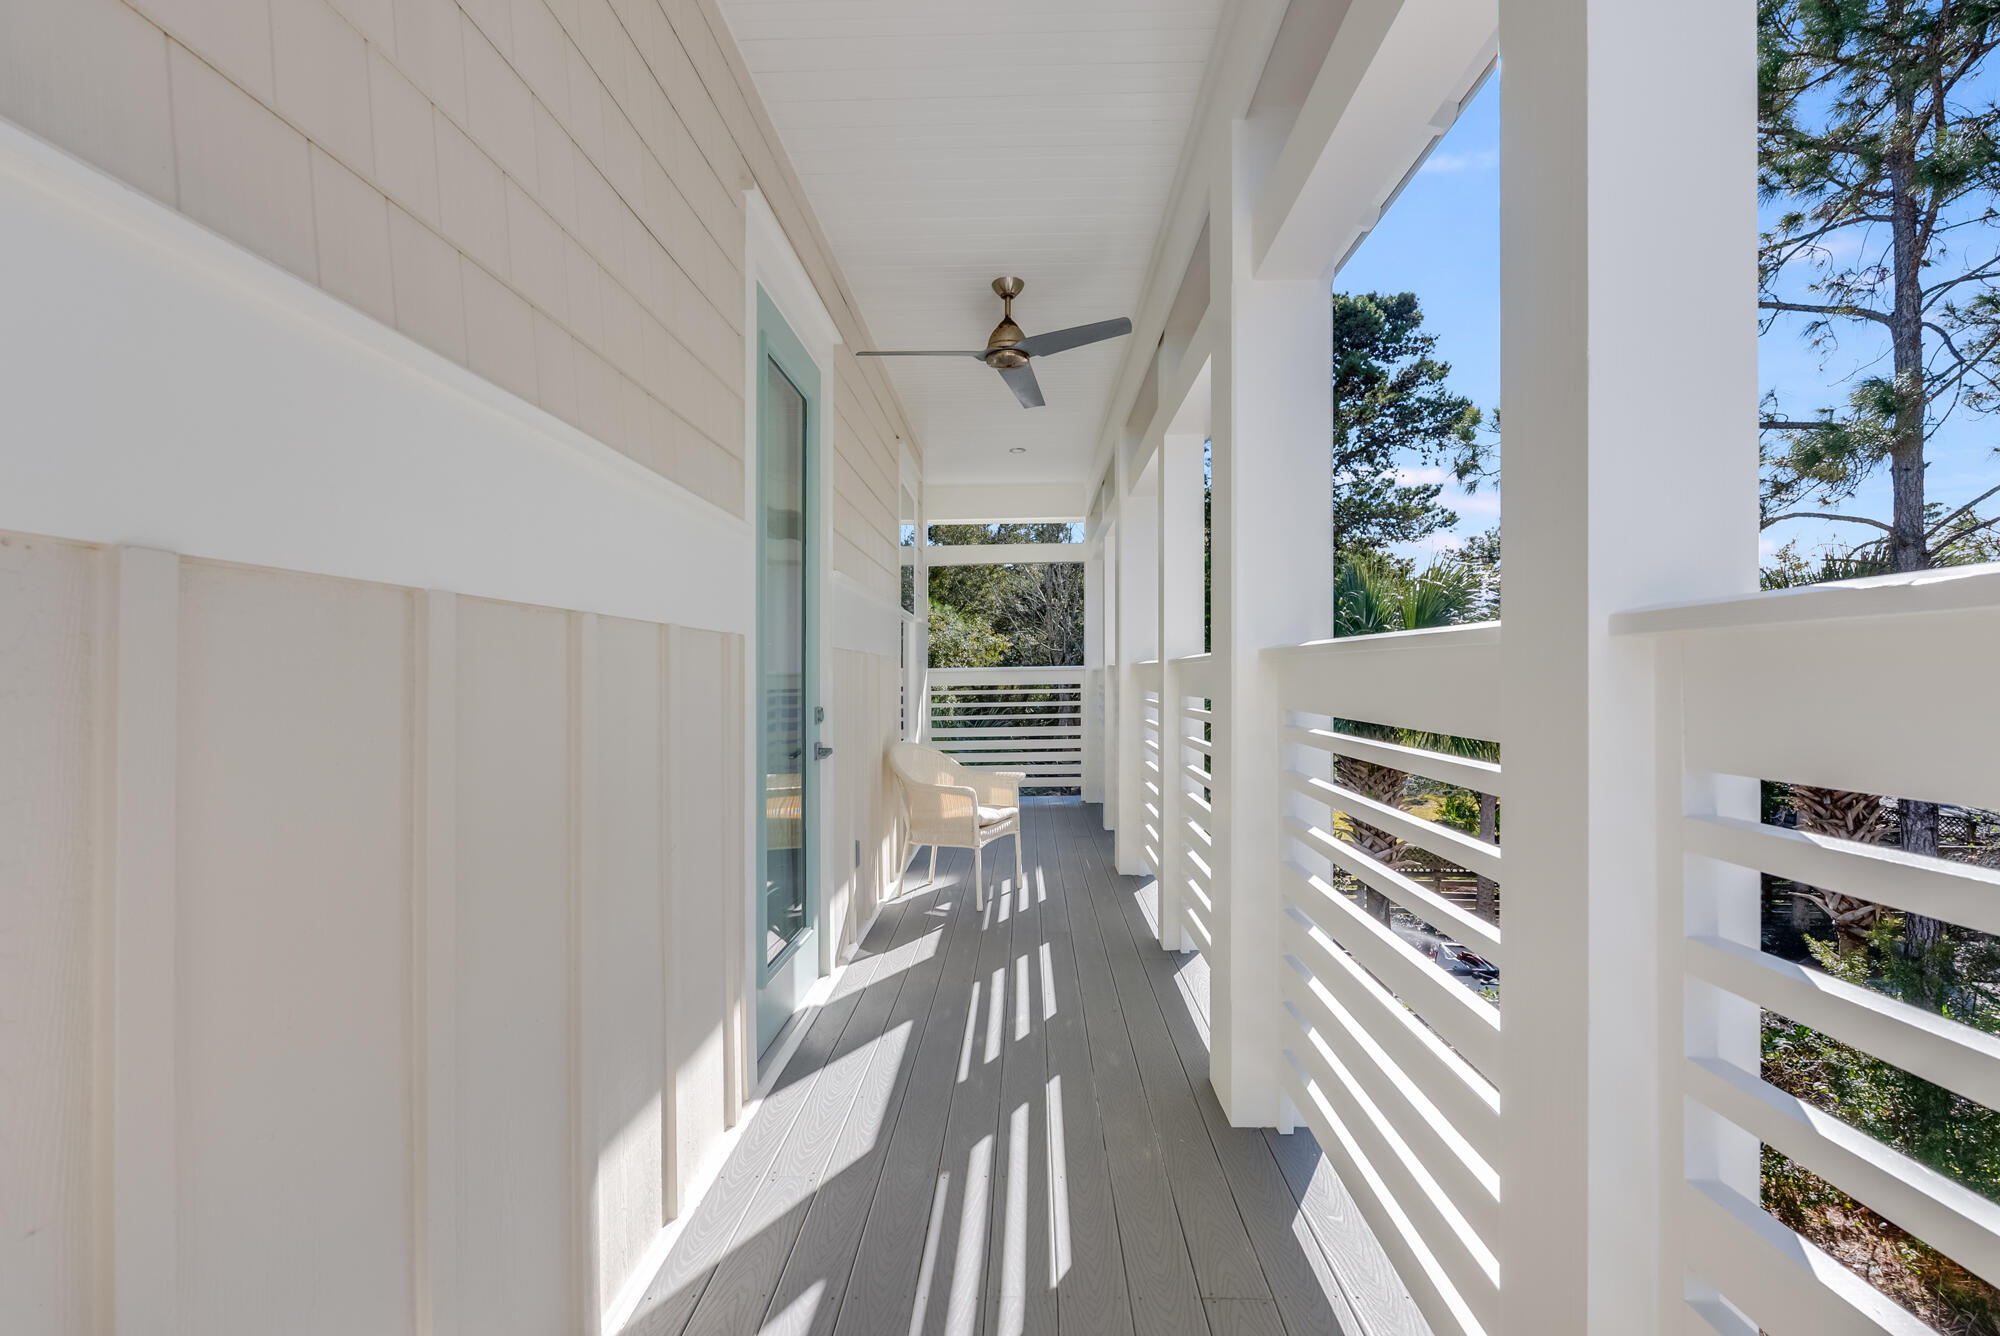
(1885,161)
(1005,615)
(1392,410)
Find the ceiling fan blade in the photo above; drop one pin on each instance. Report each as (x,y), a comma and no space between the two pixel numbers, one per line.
(1062,340)
(927,353)
(1021,380)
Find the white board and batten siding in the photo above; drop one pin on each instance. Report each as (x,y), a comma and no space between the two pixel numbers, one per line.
(349,925)
(369,954)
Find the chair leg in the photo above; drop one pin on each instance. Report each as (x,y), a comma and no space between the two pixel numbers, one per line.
(931,880)
(978,887)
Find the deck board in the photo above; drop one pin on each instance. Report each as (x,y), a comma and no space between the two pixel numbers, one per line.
(1081,1176)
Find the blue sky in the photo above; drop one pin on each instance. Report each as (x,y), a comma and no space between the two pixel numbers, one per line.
(1442,241)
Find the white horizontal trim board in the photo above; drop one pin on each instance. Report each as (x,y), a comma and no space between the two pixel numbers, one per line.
(1750,711)
(166,388)
(1953,1219)
(1004,554)
(1470,1180)
(1006,676)
(1417,1266)
(1441,681)
(1412,895)
(1320,920)
(1198,675)
(1464,771)
(1959,893)
(1953,589)
(1923,1043)
(1446,1217)
(1786,1284)
(1430,836)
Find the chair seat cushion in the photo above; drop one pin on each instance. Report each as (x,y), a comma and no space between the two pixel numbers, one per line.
(993,816)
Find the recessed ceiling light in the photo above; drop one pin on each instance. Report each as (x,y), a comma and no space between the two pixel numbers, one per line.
(1018,450)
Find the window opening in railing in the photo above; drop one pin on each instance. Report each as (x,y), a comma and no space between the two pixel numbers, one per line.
(1879,288)
(1416,388)
(1003,636)
(1441,815)
(1827,947)
(1879,295)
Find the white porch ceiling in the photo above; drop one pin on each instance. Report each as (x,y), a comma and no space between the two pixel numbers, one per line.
(945,143)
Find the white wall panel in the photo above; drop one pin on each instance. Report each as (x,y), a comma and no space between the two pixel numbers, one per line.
(293,936)
(622,980)
(370,959)
(703,902)
(49,609)
(514,1198)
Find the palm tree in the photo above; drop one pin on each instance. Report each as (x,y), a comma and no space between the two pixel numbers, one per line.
(1846,815)
(1371,597)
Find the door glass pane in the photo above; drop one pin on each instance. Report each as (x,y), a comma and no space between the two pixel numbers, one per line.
(782,656)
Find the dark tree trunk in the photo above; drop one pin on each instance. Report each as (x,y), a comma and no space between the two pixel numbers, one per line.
(1488,903)
(1920,836)
(1907,548)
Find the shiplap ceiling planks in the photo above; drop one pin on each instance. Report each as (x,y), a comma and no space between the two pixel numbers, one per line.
(945,145)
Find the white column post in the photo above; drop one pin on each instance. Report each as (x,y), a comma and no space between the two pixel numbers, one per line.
(1271,585)
(144,752)
(1179,612)
(1137,640)
(1094,724)
(1628,243)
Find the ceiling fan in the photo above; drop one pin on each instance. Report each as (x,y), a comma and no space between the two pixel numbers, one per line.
(1009,351)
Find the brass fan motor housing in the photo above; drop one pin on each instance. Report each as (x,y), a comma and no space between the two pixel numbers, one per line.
(1000,353)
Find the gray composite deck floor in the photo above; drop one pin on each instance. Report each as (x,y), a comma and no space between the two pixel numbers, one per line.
(1001,1122)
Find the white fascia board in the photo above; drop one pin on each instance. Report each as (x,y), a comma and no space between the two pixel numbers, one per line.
(1393,82)
(1005,503)
(167,388)
(1236,63)
(1009,554)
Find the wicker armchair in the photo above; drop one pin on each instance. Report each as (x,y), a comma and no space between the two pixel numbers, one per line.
(951,805)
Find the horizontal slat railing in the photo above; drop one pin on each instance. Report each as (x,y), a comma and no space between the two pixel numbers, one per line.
(1184,741)
(1741,702)
(1393,1060)
(1024,719)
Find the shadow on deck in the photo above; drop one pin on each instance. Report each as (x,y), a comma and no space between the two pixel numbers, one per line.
(1002,1122)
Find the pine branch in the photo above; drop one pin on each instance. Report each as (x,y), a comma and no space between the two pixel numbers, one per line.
(1940,526)
(1805,308)
(1965,533)
(1823,515)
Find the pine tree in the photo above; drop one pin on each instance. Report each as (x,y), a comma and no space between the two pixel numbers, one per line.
(1392,410)
(1887,164)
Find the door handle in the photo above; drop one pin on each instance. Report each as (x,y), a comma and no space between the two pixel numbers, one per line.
(822,751)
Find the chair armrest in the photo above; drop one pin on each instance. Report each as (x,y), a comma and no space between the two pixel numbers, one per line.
(943,811)
(1000,788)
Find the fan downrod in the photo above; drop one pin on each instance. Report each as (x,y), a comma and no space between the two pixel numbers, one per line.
(1000,354)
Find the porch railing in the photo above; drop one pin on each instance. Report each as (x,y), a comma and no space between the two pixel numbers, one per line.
(1390,1028)
(1389,1056)
(1026,719)
(1763,688)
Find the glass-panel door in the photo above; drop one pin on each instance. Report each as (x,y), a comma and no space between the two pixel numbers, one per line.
(787,956)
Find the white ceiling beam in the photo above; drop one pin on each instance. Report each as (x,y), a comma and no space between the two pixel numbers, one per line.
(1007,554)
(1393,82)
(1005,502)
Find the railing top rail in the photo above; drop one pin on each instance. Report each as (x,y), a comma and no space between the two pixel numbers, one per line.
(1952,589)
(970,676)
(1470,633)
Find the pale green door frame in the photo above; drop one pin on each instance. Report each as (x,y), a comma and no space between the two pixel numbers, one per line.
(788,713)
